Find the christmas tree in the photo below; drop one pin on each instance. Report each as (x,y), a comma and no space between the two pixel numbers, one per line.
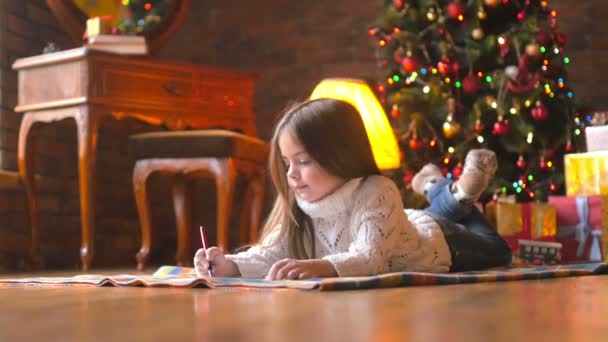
(456,75)
(141,15)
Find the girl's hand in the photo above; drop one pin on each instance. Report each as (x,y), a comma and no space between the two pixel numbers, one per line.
(301,269)
(214,257)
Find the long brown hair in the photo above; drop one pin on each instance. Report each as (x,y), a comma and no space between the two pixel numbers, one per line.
(333,134)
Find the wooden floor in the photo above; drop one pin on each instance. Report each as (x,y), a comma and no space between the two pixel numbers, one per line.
(568,309)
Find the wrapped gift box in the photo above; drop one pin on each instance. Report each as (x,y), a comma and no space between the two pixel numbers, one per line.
(596,138)
(586,173)
(581,222)
(529,221)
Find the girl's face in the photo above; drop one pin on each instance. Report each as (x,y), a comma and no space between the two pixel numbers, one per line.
(305,176)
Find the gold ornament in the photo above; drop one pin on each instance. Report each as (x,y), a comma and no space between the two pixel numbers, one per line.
(532,50)
(430,15)
(477,34)
(481,14)
(491,3)
(450,129)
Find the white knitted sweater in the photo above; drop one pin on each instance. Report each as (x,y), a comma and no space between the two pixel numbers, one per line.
(362,229)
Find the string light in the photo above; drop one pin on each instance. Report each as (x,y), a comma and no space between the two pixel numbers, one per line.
(480,139)
(566,60)
(451,149)
(426,89)
(530,177)
(530,137)
(382,42)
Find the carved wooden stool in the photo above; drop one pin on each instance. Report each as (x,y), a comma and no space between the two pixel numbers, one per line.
(187,155)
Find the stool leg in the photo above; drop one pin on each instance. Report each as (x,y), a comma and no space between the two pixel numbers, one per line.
(251,216)
(141,173)
(224,171)
(182,205)
(258,185)
(245,217)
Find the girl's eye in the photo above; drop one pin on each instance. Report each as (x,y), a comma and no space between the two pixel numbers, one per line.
(304,162)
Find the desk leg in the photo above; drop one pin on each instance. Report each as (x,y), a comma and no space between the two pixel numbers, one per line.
(87,125)
(26,150)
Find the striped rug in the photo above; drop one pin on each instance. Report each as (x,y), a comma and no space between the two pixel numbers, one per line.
(172,276)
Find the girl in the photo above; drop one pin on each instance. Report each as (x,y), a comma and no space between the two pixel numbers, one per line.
(336,215)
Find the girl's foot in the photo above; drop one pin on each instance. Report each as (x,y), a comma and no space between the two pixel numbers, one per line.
(479,167)
(426,177)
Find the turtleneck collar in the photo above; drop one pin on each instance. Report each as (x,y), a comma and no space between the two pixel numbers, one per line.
(336,202)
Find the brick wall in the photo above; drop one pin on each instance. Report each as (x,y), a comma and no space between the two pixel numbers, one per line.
(292,45)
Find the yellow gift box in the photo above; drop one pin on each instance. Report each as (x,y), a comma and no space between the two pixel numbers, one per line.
(528,221)
(586,173)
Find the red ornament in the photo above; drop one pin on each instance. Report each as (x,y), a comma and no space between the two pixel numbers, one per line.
(521,163)
(456,9)
(395,112)
(444,66)
(408,176)
(542,37)
(554,25)
(524,80)
(471,84)
(478,126)
(398,3)
(441,31)
(457,171)
(501,127)
(409,64)
(540,111)
(521,15)
(561,39)
(415,144)
(543,164)
(569,147)
(504,47)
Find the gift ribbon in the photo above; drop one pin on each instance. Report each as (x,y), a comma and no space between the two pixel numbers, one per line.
(583,230)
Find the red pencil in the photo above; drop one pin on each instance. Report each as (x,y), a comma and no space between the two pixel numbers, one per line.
(204,241)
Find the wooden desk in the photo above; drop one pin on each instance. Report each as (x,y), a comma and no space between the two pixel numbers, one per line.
(87,86)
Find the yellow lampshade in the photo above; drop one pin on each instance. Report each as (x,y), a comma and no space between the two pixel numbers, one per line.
(379,131)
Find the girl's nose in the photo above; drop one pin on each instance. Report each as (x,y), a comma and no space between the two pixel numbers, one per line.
(292,173)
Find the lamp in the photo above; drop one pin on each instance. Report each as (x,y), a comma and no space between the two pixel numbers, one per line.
(379,131)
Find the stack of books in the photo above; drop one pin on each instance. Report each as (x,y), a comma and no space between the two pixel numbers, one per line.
(120,44)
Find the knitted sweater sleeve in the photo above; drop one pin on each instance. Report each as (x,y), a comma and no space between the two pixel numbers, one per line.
(257,260)
(377,216)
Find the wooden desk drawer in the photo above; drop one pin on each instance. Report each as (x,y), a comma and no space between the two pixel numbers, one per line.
(52,83)
(161,86)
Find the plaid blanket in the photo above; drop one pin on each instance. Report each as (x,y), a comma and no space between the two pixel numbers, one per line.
(172,276)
